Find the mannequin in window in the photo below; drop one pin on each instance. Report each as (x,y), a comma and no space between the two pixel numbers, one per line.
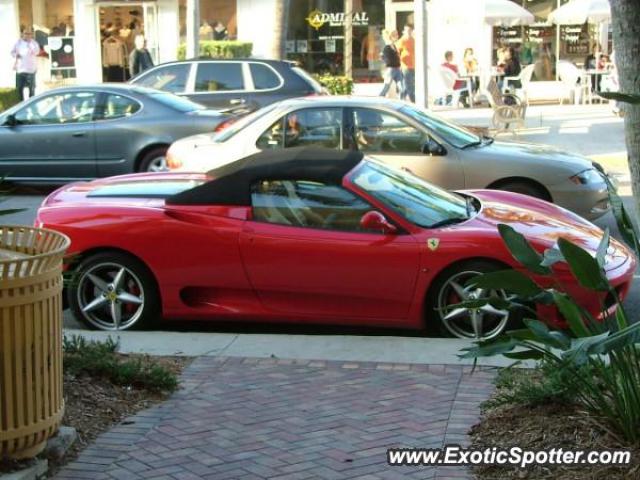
(220,32)
(140,58)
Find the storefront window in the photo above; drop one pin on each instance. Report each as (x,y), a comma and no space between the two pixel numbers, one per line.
(315,37)
(218,20)
(537,44)
(53,27)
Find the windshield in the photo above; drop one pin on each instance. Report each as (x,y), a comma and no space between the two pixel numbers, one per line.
(234,128)
(416,200)
(453,134)
(175,102)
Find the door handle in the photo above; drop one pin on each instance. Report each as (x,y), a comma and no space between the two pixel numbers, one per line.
(237,101)
(79,134)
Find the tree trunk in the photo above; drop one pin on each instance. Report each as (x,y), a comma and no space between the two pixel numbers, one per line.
(626,45)
(277,46)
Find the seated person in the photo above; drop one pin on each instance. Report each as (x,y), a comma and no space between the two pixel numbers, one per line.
(368,125)
(459,84)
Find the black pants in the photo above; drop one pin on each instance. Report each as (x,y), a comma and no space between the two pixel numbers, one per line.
(27,80)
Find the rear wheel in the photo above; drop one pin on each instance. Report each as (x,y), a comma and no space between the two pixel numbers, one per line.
(449,289)
(114,291)
(525,188)
(154,160)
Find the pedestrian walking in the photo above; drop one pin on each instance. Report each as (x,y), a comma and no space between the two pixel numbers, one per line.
(140,58)
(24,53)
(407,50)
(391,59)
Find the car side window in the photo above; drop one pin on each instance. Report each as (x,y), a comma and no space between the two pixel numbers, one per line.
(62,108)
(311,127)
(309,204)
(264,78)
(118,106)
(172,78)
(380,132)
(219,77)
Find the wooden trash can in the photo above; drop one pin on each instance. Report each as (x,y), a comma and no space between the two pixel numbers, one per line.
(31,400)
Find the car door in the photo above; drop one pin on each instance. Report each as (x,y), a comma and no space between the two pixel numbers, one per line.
(52,137)
(399,143)
(219,85)
(305,253)
(116,120)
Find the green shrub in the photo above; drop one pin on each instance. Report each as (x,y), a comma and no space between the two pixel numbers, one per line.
(336,84)
(532,388)
(8,98)
(100,359)
(220,49)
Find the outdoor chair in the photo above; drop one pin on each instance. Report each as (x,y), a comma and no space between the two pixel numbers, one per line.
(524,78)
(449,78)
(508,109)
(570,77)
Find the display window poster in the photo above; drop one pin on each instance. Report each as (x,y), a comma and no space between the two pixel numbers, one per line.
(62,53)
(290,46)
(302,46)
(330,45)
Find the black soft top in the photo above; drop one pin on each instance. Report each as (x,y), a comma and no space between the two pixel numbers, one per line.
(231,184)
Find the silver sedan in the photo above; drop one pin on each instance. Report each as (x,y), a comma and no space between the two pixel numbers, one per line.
(407,137)
(84,132)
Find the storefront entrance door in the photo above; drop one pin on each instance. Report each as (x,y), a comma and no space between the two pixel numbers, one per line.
(150,10)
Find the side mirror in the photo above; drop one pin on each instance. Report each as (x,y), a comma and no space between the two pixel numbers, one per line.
(10,121)
(431,147)
(374,220)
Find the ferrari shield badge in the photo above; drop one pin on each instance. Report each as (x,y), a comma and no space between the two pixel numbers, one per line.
(433,244)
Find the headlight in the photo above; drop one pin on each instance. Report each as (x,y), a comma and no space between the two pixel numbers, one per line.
(586,177)
(173,162)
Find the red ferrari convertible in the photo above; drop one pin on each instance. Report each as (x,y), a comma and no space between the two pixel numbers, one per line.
(301,235)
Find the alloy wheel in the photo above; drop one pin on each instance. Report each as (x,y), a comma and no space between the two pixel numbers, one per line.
(484,323)
(158,164)
(110,296)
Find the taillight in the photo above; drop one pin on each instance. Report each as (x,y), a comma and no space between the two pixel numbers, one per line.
(225,124)
(173,162)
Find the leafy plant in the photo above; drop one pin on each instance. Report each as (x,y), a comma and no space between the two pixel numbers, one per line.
(219,49)
(540,386)
(8,98)
(100,359)
(4,192)
(336,84)
(597,357)
(621,97)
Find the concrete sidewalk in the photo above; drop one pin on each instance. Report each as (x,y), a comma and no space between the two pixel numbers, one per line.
(392,349)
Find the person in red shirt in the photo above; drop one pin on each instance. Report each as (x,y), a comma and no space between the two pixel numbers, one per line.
(459,84)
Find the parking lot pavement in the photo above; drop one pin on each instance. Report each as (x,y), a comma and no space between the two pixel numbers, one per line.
(248,418)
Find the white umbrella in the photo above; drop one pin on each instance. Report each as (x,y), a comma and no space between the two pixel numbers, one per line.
(497,13)
(579,11)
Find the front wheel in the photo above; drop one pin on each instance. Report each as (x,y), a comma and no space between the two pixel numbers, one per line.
(154,161)
(113,291)
(450,288)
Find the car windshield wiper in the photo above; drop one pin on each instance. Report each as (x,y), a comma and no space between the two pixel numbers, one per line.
(448,221)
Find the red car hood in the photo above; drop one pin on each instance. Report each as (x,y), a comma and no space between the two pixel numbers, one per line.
(543,224)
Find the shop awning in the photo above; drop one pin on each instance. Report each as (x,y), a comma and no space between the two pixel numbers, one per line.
(579,11)
(495,12)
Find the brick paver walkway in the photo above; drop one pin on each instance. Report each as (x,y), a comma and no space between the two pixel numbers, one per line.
(246,418)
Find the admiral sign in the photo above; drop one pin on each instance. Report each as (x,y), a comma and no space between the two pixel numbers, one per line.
(318,19)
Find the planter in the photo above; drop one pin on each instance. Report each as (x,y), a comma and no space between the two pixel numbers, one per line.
(31,400)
